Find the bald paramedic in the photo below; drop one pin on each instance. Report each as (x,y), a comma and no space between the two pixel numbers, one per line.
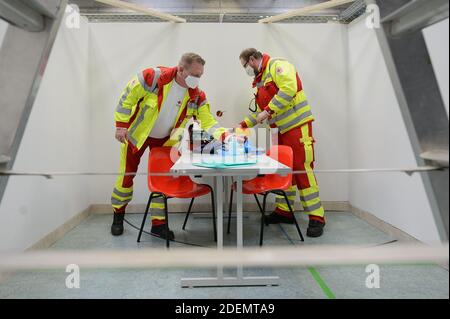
(281,101)
(153,111)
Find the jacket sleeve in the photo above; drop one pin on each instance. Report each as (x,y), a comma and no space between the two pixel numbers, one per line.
(250,120)
(207,121)
(284,75)
(139,86)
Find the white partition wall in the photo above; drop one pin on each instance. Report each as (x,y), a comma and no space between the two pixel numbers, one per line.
(378,139)
(56,139)
(436,37)
(119,50)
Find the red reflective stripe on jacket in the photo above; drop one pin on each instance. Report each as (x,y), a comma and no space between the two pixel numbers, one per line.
(167,75)
(201,97)
(122,125)
(299,83)
(244,124)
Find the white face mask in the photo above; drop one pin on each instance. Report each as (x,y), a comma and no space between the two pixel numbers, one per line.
(192,81)
(250,71)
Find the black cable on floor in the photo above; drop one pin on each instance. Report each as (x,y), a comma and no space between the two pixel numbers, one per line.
(293,243)
(286,235)
(175,241)
(386,243)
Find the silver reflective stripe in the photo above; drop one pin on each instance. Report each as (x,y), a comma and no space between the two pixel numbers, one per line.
(285,96)
(277,103)
(312,207)
(157,212)
(122,194)
(124,111)
(192,106)
(143,83)
(289,112)
(120,109)
(292,193)
(116,201)
(158,200)
(281,200)
(268,75)
(136,124)
(253,120)
(309,197)
(155,79)
(296,120)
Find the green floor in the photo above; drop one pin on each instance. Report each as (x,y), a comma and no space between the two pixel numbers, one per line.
(396,281)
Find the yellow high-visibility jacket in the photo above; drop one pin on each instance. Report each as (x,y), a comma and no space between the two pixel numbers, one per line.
(280,92)
(141,100)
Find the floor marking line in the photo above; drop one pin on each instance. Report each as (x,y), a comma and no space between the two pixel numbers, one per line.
(313,271)
(315,274)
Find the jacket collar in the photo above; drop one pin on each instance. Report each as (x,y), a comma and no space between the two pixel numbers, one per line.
(265,61)
(169,74)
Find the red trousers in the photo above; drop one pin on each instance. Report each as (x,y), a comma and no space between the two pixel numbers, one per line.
(301,140)
(130,159)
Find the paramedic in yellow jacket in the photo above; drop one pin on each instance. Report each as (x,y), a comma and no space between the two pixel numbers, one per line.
(282,102)
(153,111)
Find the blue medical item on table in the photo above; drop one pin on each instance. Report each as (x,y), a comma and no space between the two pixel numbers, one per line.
(234,154)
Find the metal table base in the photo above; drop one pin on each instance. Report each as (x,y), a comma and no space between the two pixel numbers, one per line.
(220,280)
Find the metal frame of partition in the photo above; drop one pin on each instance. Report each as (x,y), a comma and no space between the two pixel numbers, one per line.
(33,27)
(417,90)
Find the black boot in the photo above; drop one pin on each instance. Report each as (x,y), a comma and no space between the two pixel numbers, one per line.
(160,231)
(315,228)
(275,218)
(117,225)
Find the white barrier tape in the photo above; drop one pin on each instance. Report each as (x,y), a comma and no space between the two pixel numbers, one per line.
(407,170)
(249,257)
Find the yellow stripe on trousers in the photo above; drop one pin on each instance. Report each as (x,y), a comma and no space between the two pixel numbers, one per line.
(121,196)
(157,209)
(310,197)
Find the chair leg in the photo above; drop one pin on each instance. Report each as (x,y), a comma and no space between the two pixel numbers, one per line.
(188,213)
(229,211)
(145,217)
(259,204)
(293,215)
(166,211)
(263,217)
(213,204)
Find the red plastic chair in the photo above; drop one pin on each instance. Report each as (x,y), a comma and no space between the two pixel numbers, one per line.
(172,187)
(265,185)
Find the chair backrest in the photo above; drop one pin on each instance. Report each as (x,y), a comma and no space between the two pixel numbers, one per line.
(284,155)
(161,161)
